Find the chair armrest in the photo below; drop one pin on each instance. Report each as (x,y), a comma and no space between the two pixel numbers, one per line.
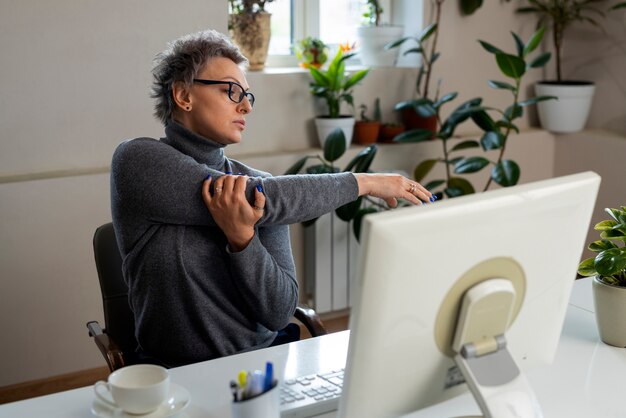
(109,349)
(311,320)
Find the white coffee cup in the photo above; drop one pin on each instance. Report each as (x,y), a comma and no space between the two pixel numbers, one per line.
(137,389)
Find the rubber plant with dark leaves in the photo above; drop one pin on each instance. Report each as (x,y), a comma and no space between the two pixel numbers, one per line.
(496,131)
(334,149)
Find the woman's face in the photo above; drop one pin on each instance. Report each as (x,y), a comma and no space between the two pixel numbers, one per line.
(213,114)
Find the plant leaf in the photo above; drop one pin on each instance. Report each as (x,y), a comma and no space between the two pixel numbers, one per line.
(414,135)
(433,184)
(605,225)
(470,143)
(417,50)
(490,48)
(295,169)
(610,262)
(320,169)
(500,85)
(426,33)
(461,184)
(348,211)
(507,124)
(335,145)
(483,120)
(468,7)
(601,245)
(470,165)
(506,173)
(587,268)
(355,78)
(491,140)
(540,60)
(519,45)
(358,220)
(534,41)
(397,43)
(359,162)
(534,100)
(445,99)
(513,112)
(510,65)
(423,169)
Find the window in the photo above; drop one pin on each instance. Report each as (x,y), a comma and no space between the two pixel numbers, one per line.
(333,21)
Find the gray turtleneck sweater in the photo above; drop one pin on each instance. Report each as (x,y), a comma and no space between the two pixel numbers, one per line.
(192,298)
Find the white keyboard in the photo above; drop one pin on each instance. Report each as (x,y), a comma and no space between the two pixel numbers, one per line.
(311,395)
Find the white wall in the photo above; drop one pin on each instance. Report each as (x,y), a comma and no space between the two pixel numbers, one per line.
(75,80)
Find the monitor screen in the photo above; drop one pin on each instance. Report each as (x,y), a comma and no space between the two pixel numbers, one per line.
(417,263)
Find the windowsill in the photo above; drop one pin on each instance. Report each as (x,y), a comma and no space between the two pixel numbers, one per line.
(297,70)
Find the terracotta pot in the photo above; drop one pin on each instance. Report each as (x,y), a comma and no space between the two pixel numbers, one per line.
(412,120)
(251,33)
(389,132)
(366,132)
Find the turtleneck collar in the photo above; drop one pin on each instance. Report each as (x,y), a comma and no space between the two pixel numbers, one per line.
(201,149)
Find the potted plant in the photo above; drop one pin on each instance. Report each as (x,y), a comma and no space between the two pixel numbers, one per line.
(609,283)
(569,113)
(311,52)
(249,26)
(505,172)
(335,85)
(373,35)
(366,130)
(426,47)
(390,130)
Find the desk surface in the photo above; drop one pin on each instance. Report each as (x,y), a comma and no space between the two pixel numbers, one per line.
(585,380)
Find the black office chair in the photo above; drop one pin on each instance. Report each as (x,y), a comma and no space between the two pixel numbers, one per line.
(117,341)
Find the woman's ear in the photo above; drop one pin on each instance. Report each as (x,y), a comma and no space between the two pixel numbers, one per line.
(182,96)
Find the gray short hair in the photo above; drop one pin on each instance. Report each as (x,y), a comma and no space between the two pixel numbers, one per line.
(183,59)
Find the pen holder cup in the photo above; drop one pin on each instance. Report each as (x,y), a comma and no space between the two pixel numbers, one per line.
(265,405)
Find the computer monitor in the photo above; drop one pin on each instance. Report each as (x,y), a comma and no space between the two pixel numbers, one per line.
(418,264)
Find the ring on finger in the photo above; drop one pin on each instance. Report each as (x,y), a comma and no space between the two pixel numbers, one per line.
(218,190)
(259,208)
(412,189)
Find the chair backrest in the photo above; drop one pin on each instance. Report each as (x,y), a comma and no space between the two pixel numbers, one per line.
(118,317)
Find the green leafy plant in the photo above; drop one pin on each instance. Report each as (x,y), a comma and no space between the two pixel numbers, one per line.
(427,49)
(311,52)
(610,262)
(372,13)
(334,84)
(334,149)
(560,14)
(496,132)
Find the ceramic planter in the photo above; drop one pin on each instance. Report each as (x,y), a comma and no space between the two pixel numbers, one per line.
(372,41)
(251,32)
(326,125)
(569,113)
(610,307)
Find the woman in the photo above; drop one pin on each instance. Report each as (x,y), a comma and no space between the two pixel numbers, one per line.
(208,283)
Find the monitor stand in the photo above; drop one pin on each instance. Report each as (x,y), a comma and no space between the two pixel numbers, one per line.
(499,387)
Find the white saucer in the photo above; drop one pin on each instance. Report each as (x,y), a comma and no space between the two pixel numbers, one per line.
(177,400)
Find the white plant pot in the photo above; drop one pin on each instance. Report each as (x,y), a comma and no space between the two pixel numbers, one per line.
(610,307)
(569,113)
(326,125)
(372,41)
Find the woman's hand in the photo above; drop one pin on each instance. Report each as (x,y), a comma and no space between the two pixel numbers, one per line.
(230,208)
(391,187)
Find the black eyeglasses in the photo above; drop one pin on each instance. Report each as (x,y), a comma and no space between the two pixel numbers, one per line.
(236,93)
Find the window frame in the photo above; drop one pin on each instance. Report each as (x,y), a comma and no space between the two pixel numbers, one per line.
(306,22)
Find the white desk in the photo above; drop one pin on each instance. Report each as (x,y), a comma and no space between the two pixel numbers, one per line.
(585,380)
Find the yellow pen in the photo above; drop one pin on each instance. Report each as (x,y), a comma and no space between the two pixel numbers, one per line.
(242,378)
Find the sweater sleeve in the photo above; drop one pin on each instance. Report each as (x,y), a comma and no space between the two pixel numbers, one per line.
(266,278)
(158,183)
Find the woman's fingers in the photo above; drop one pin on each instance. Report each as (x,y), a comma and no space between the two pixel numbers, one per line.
(206,195)
(259,198)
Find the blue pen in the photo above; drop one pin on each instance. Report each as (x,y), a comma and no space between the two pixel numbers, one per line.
(269,376)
